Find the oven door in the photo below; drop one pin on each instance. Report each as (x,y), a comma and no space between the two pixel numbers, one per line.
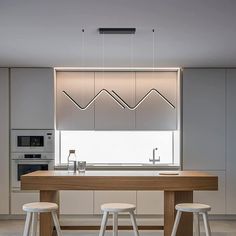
(22,167)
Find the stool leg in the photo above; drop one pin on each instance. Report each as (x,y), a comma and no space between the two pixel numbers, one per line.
(177,219)
(133,220)
(34,224)
(196,223)
(27,224)
(206,224)
(56,223)
(104,223)
(115,224)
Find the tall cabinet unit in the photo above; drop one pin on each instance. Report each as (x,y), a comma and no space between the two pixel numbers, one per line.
(32,98)
(231,142)
(4,140)
(204,117)
(32,107)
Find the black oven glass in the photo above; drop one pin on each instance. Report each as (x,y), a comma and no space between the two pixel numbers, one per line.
(30,141)
(23,169)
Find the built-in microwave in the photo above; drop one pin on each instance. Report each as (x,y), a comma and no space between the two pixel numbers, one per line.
(32,141)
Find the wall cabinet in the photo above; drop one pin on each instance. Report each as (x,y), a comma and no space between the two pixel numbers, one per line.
(204,119)
(231,142)
(76,202)
(80,87)
(155,113)
(108,114)
(18,199)
(115,111)
(32,98)
(4,140)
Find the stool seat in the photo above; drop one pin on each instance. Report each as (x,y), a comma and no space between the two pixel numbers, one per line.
(192,207)
(115,209)
(33,209)
(118,207)
(40,207)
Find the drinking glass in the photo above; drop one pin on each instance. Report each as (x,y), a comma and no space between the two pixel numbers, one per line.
(81,166)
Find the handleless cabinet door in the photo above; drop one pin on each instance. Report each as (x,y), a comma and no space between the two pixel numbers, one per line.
(32,98)
(18,199)
(204,119)
(4,141)
(150,202)
(109,115)
(76,202)
(231,142)
(216,199)
(159,110)
(79,86)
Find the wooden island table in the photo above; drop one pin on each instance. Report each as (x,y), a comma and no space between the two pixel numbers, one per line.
(177,189)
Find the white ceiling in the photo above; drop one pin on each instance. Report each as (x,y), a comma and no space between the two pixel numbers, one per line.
(189,33)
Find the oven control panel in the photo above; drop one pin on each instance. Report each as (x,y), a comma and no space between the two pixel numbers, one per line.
(32,156)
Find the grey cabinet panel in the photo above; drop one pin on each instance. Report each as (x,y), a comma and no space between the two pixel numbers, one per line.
(80,86)
(231,142)
(204,119)
(32,98)
(76,202)
(4,141)
(108,114)
(155,113)
(216,199)
(150,202)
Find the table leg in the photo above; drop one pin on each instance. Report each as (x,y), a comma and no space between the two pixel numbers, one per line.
(46,222)
(171,198)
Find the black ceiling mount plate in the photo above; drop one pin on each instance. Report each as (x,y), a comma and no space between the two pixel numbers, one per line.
(117,30)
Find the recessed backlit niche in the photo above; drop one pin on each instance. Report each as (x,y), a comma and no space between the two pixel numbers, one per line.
(119,100)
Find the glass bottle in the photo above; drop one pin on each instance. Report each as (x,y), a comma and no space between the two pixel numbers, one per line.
(72,161)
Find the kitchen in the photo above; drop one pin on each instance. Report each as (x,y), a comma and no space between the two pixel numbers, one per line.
(121,108)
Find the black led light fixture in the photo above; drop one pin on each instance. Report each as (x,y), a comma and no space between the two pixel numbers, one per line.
(117,30)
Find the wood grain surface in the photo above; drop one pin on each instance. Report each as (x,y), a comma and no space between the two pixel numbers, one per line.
(118,180)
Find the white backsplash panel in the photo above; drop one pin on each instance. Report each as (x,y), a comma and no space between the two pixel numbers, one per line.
(117,147)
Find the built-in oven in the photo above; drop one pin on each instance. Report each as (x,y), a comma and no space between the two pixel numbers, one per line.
(32,141)
(22,164)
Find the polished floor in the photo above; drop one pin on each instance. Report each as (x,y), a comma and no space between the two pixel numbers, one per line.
(15,228)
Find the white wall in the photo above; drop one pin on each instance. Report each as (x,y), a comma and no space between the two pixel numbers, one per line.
(4,141)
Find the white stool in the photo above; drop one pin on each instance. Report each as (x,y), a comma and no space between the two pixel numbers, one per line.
(196,209)
(116,208)
(33,209)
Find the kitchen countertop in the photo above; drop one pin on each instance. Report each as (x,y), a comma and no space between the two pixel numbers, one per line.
(126,167)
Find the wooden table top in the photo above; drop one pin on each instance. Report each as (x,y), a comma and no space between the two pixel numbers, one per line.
(119,180)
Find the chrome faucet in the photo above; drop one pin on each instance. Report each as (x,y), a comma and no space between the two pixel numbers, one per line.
(154,160)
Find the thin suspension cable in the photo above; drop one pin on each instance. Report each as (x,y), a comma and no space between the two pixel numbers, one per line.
(103,52)
(132,51)
(103,57)
(82,48)
(153,49)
